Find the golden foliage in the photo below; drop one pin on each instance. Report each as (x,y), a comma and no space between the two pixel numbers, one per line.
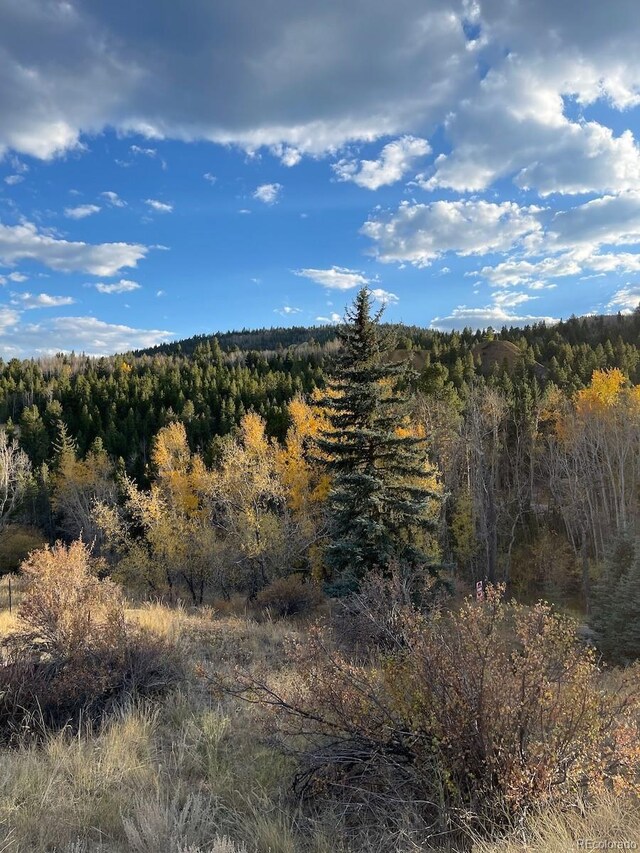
(304,481)
(605,391)
(170,449)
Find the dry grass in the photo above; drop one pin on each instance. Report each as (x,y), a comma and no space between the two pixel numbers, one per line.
(192,774)
(8,616)
(184,776)
(8,622)
(608,821)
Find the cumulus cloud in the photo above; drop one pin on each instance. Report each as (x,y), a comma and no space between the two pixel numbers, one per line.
(287,310)
(515,126)
(82,211)
(395,161)
(490,315)
(8,318)
(122,286)
(41,300)
(82,334)
(593,43)
(533,273)
(332,318)
(312,77)
(385,296)
(626,299)
(158,206)
(268,193)
(419,233)
(610,220)
(12,180)
(130,71)
(287,155)
(335,278)
(25,241)
(113,199)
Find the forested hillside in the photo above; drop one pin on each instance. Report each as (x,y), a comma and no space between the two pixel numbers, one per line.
(210,382)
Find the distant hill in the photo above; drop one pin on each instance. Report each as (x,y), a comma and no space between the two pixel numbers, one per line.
(255,340)
(497,354)
(593,330)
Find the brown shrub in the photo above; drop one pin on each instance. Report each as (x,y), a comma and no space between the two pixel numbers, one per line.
(288,596)
(67,610)
(476,716)
(16,542)
(73,656)
(370,620)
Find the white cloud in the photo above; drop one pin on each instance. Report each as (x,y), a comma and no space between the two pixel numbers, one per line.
(509,299)
(17,277)
(310,77)
(82,211)
(515,126)
(592,44)
(287,155)
(287,310)
(122,286)
(211,179)
(12,180)
(268,193)
(335,278)
(395,161)
(144,152)
(332,318)
(610,220)
(113,199)
(385,296)
(158,206)
(625,300)
(25,241)
(18,166)
(41,300)
(490,315)
(534,273)
(82,334)
(8,318)
(419,233)
(314,76)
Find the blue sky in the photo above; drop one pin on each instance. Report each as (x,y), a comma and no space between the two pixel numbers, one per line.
(170,169)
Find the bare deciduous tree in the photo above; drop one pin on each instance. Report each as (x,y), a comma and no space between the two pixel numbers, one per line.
(15,474)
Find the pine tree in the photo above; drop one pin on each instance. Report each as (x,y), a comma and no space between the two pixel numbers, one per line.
(384,487)
(616,602)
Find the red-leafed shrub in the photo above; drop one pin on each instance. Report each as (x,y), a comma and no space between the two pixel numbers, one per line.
(480,714)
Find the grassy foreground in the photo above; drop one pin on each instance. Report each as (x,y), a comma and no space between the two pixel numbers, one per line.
(194,775)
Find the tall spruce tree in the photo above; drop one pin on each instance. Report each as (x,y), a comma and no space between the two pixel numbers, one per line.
(383,493)
(616,601)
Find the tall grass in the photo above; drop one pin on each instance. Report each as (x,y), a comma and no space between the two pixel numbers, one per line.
(609,820)
(192,773)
